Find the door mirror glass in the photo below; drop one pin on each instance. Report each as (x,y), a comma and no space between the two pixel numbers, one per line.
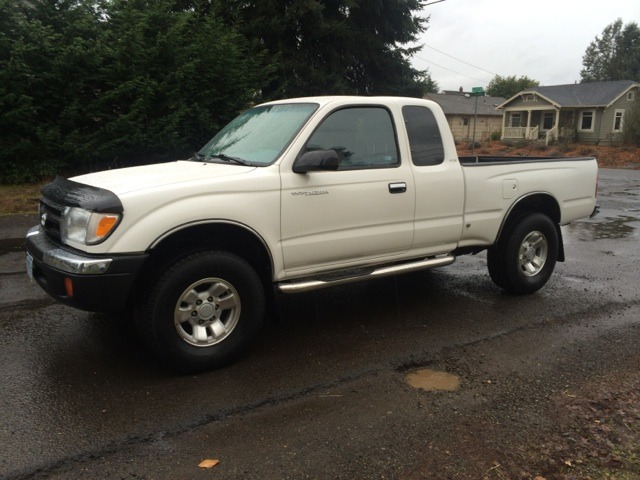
(316,160)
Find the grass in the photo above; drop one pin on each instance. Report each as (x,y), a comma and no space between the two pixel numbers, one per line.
(19,198)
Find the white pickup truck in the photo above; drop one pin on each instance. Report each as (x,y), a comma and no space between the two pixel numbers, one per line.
(291,196)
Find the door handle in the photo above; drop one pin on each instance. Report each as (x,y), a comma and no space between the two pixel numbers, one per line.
(397,187)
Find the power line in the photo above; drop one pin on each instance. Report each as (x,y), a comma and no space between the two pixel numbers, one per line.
(462,61)
(457,73)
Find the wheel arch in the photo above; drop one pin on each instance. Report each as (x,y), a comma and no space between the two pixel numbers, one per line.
(539,202)
(214,235)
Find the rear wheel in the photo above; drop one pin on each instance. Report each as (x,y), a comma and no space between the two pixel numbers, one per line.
(202,312)
(524,258)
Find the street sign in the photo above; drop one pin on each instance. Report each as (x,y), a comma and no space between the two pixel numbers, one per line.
(477,92)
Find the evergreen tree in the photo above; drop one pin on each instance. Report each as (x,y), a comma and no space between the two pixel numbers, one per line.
(173,76)
(337,46)
(613,56)
(84,84)
(47,56)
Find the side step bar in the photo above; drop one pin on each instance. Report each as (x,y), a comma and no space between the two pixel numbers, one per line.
(306,285)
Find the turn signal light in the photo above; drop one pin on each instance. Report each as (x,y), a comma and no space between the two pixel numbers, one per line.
(105,225)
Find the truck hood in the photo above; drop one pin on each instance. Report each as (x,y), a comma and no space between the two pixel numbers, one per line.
(125,180)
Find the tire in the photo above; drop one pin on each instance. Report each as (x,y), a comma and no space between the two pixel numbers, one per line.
(202,312)
(524,258)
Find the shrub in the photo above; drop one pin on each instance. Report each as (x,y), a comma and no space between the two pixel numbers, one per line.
(561,148)
(586,151)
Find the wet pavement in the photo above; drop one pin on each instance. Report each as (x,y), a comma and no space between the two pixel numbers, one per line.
(326,393)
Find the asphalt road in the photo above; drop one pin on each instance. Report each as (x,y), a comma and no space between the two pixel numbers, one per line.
(324,394)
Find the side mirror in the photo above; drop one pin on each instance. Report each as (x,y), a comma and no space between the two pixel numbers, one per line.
(316,160)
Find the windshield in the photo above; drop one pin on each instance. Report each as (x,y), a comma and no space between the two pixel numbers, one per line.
(258,136)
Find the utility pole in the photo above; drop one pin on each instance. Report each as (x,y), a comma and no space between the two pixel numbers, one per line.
(475,92)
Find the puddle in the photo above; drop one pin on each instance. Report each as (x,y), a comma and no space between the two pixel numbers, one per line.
(607,228)
(433,380)
(9,245)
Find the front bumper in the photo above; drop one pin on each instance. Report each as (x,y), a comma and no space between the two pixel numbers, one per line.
(98,283)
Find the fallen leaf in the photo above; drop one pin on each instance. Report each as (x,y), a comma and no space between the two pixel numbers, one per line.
(209,463)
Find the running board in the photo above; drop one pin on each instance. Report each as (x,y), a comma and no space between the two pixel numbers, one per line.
(306,285)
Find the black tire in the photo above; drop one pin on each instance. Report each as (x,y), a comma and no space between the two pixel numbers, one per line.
(202,312)
(524,258)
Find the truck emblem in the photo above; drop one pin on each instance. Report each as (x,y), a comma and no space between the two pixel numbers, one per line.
(309,193)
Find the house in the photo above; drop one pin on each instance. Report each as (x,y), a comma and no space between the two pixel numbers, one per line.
(460,109)
(586,112)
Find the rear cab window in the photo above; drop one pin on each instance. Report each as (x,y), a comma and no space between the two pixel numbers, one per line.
(425,140)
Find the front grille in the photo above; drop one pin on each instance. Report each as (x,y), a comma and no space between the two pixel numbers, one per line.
(50,218)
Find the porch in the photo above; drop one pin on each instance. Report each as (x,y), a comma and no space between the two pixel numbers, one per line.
(535,125)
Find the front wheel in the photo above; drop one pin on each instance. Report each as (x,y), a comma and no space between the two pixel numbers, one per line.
(202,312)
(524,258)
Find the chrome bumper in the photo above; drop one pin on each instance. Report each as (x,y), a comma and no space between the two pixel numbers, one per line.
(65,261)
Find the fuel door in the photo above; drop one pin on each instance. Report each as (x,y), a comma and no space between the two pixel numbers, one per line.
(509,188)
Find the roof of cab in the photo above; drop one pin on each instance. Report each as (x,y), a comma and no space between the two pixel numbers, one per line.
(352,100)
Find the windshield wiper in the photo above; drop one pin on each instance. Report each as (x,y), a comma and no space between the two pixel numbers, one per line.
(228,158)
(225,158)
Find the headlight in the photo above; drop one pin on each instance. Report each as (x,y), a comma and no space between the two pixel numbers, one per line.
(83,226)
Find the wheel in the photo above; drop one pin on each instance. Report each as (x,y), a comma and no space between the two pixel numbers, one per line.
(202,312)
(524,258)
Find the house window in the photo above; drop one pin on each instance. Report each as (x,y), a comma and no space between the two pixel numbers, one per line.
(547,120)
(631,96)
(516,120)
(586,120)
(618,120)
(465,121)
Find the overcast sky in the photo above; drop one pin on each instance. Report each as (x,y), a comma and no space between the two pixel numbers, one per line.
(542,39)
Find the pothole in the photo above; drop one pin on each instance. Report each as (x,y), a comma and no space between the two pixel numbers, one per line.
(433,380)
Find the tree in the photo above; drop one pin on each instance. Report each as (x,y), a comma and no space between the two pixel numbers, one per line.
(631,126)
(47,55)
(172,77)
(86,83)
(337,46)
(613,56)
(507,87)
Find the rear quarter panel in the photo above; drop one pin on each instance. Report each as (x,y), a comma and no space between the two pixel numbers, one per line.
(491,190)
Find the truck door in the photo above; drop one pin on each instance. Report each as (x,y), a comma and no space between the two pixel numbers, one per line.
(363,210)
(439,184)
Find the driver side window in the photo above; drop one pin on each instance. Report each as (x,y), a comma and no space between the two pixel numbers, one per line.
(363,137)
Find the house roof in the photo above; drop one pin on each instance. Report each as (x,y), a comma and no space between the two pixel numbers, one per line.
(456,104)
(591,94)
